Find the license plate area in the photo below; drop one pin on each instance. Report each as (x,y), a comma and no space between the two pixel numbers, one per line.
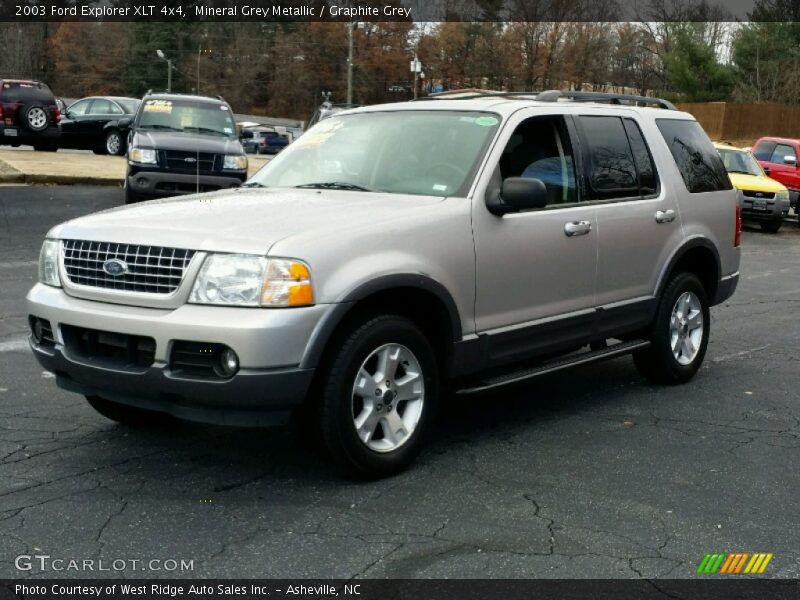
(11,132)
(759,205)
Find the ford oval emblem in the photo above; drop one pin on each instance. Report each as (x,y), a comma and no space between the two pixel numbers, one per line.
(115,267)
(190,160)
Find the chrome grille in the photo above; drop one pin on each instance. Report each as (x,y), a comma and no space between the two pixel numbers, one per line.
(151,269)
(203,162)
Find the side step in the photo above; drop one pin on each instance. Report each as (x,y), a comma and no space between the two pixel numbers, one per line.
(584,358)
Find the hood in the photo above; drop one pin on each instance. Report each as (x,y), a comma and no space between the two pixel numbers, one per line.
(755,183)
(241,220)
(187,142)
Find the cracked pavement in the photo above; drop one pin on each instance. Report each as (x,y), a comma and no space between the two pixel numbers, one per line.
(590,473)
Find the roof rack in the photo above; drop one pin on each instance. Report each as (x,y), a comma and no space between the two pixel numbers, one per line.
(555,96)
(604,97)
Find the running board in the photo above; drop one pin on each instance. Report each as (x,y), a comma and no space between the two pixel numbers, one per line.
(559,364)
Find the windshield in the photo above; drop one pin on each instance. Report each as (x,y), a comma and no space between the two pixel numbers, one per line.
(406,152)
(187,115)
(739,161)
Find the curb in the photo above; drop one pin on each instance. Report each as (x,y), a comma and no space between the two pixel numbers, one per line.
(41,179)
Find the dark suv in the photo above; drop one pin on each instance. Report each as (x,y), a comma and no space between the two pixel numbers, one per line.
(182,144)
(28,115)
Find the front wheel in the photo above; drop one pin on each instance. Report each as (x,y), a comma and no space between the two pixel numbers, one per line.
(378,396)
(122,413)
(679,333)
(131,197)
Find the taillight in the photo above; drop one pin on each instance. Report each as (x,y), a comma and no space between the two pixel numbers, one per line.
(1,111)
(57,115)
(737,237)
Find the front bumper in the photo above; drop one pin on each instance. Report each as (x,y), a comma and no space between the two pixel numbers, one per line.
(774,210)
(270,344)
(164,183)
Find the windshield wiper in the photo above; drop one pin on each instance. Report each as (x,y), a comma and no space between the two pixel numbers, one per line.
(207,130)
(157,126)
(335,185)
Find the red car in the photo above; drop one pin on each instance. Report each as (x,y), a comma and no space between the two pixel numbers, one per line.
(778,157)
(28,115)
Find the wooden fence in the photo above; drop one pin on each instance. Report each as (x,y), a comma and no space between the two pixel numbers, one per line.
(745,122)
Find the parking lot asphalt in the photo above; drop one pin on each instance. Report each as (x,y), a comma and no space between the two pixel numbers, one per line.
(592,473)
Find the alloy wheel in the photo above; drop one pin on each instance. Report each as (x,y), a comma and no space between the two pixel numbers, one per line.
(686,328)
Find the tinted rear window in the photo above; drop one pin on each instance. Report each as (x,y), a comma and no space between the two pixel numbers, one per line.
(26,92)
(698,161)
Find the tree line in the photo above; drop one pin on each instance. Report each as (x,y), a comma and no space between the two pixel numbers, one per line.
(683,51)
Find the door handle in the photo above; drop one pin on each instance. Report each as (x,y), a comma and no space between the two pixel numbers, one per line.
(574,228)
(665,216)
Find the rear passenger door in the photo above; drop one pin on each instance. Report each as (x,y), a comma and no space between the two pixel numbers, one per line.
(637,218)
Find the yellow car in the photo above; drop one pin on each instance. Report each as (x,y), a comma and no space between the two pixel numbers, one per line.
(762,199)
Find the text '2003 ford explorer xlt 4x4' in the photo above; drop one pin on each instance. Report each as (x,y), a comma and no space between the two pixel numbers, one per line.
(477,241)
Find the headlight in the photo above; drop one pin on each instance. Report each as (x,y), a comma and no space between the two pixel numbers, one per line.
(235,161)
(247,280)
(48,263)
(145,156)
(782,196)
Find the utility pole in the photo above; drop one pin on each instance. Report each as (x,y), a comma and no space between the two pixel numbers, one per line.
(161,55)
(416,68)
(350,27)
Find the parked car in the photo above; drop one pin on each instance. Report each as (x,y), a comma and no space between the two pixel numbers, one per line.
(180,144)
(266,141)
(93,124)
(763,199)
(778,157)
(393,251)
(29,115)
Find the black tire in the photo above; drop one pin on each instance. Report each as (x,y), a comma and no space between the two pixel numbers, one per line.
(771,226)
(334,409)
(657,362)
(49,147)
(127,415)
(132,197)
(35,117)
(114,149)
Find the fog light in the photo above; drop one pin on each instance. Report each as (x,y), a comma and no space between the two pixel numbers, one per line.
(38,332)
(228,362)
(143,182)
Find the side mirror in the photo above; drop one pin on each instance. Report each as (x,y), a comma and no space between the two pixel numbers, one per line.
(790,160)
(124,122)
(247,135)
(519,193)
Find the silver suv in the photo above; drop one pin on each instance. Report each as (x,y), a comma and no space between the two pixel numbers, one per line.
(395,251)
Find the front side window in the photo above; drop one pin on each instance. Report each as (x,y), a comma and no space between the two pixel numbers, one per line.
(189,116)
(79,108)
(540,148)
(698,161)
(425,152)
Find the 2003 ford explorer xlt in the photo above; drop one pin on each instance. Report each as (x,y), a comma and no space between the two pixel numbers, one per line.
(478,241)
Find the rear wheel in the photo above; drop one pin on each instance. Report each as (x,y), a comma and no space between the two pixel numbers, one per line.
(114,144)
(378,396)
(122,413)
(771,226)
(679,333)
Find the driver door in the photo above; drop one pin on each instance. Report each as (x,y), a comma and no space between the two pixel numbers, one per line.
(536,269)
